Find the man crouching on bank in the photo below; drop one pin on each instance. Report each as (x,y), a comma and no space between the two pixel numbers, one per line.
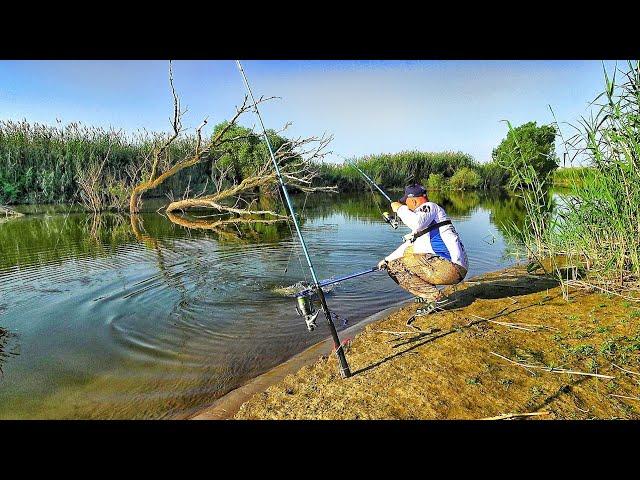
(432,253)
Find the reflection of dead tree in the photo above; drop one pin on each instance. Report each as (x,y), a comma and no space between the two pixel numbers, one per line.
(296,159)
(5,336)
(139,231)
(219,227)
(159,165)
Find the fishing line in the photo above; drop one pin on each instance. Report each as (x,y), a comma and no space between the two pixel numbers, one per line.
(368,185)
(294,245)
(393,222)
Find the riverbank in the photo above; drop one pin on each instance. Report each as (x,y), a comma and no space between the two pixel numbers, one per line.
(483,357)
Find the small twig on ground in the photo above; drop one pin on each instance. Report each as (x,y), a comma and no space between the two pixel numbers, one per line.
(420,333)
(624,396)
(508,416)
(625,370)
(551,369)
(530,327)
(505,308)
(588,286)
(395,333)
(513,325)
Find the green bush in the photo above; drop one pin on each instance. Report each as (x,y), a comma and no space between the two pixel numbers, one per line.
(465,179)
(493,175)
(528,145)
(244,151)
(436,181)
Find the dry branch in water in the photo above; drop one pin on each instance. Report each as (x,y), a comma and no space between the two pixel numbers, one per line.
(296,160)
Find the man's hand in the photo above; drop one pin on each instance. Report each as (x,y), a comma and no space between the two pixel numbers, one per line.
(395,206)
(382,264)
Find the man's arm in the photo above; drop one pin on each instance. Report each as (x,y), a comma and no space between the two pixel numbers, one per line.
(397,253)
(416,220)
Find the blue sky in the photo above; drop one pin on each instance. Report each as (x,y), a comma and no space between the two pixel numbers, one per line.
(368,106)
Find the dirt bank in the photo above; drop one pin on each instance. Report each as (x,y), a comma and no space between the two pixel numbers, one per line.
(460,364)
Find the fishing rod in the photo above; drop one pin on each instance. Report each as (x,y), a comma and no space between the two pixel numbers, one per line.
(324,283)
(310,319)
(387,218)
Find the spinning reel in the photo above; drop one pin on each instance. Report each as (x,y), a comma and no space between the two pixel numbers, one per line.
(393,221)
(306,310)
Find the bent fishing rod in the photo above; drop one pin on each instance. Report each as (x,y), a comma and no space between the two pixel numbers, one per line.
(387,218)
(344,366)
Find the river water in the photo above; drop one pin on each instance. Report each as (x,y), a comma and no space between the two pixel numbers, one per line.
(120,317)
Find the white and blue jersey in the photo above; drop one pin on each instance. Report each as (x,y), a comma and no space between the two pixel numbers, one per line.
(443,241)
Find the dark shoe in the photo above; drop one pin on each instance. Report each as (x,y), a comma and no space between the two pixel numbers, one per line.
(432,307)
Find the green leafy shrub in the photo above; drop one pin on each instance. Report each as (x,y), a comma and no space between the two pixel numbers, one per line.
(436,181)
(465,179)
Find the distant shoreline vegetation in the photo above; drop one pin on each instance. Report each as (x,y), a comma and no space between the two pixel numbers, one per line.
(50,164)
(434,170)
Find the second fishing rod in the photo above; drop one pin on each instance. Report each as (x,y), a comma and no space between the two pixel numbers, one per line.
(393,221)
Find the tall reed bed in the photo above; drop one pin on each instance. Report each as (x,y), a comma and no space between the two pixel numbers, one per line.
(74,162)
(597,227)
(395,170)
(570,176)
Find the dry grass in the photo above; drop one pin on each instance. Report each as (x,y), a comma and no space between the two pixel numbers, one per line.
(447,371)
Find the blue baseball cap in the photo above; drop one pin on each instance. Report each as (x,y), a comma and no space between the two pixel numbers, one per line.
(415,190)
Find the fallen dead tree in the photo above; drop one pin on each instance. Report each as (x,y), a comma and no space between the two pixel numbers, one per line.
(235,194)
(297,159)
(158,167)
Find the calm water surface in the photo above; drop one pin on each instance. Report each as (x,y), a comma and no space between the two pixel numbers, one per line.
(119,317)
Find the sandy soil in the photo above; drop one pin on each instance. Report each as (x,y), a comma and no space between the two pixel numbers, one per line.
(450,368)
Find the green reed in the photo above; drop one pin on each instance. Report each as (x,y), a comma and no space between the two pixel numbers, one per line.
(597,226)
(602,220)
(44,164)
(396,170)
